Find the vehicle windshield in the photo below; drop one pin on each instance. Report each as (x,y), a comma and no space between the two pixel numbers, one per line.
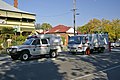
(75,40)
(28,42)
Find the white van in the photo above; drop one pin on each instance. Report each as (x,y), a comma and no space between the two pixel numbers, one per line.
(79,43)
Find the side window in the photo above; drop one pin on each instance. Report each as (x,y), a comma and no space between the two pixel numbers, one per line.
(36,42)
(44,41)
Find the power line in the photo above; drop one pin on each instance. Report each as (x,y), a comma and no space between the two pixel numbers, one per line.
(58,15)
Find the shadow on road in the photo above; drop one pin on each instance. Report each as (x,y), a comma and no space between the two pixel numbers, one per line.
(65,67)
(29,70)
(94,64)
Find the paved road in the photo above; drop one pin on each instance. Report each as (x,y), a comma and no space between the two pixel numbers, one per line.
(66,67)
(113,73)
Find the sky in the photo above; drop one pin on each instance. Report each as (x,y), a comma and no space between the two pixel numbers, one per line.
(56,12)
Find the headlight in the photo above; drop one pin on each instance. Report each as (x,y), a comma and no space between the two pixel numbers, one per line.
(12,50)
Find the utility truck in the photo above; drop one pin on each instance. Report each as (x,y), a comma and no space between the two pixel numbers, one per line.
(36,45)
(88,43)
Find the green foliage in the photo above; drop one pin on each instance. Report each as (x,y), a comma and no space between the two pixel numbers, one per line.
(8,33)
(115,28)
(19,40)
(112,27)
(7,30)
(46,26)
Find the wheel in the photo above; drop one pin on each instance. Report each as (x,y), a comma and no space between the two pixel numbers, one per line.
(53,54)
(24,56)
(101,50)
(14,57)
(87,52)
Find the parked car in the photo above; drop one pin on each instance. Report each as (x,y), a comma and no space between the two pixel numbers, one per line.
(113,44)
(117,44)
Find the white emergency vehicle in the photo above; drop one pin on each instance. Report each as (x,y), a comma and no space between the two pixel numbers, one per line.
(78,43)
(36,45)
(87,43)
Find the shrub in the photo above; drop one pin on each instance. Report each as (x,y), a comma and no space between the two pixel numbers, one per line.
(19,40)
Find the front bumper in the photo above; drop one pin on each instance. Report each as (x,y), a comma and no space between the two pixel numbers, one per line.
(12,51)
(75,50)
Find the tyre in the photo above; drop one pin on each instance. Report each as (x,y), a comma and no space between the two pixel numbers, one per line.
(24,56)
(14,57)
(101,50)
(53,54)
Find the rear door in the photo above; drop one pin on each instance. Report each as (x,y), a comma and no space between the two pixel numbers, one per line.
(45,46)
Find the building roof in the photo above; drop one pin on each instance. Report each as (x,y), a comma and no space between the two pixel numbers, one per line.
(59,29)
(8,7)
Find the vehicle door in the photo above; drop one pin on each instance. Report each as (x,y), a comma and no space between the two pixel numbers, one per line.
(45,46)
(36,47)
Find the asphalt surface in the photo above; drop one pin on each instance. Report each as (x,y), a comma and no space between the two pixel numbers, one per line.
(114,73)
(97,66)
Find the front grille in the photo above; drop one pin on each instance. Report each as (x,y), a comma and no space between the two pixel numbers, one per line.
(73,48)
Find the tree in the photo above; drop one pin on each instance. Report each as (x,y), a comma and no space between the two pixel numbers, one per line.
(7,30)
(91,26)
(46,26)
(37,26)
(112,27)
(83,29)
(105,23)
(6,33)
(94,25)
(116,28)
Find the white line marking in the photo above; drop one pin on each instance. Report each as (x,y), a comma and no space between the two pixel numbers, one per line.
(115,50)
(96,72)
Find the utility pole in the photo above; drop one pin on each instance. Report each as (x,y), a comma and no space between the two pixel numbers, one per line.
(74,15)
